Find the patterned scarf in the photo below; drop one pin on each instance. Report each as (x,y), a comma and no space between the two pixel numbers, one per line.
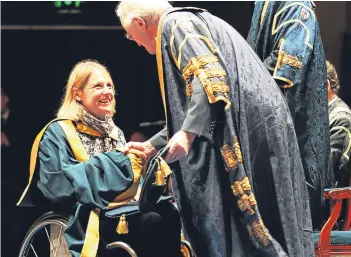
(103,126)
(95,145)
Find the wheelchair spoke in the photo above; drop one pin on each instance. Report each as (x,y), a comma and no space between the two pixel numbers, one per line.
(33,250)
(51,244)
(35,243)
(58,241)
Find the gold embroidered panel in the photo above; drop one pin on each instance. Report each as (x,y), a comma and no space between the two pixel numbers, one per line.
(291,60)
(237,150)
(229,157)
(259,233)
(239,187)
(196,63)
(232,157)
(246,199)
(247,202)
(212,78)
(188,90)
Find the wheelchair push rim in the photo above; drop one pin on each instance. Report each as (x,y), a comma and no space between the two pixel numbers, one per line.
(43,227)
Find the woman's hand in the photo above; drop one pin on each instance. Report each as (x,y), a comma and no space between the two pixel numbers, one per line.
(145,149)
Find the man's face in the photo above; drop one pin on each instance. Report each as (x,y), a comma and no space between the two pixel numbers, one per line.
(137,31)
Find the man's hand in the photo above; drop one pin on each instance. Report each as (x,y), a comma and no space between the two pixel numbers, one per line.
(146,148)
(179,145)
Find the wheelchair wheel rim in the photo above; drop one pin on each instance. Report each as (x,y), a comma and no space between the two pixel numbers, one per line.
(27,245)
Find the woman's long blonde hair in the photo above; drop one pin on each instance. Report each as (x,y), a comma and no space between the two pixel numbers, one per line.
(79,77)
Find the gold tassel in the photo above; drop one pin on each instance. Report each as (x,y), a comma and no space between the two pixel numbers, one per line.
(160,179)
(122,227)
(166,170)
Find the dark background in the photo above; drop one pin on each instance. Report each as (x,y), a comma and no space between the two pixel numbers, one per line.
(35,64)
(36,61)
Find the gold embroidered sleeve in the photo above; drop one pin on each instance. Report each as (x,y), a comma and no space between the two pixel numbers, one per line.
(195,55)
(294,31)
(211,75)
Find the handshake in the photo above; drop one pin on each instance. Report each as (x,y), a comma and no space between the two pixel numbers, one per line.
(179,146)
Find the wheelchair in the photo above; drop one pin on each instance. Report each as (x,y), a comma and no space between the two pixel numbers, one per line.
(49,228)
(46,238)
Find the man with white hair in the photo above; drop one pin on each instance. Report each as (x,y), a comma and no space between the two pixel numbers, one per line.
(239,182)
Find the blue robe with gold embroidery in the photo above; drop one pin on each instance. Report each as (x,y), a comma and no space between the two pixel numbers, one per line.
(286,37)
(75,187)
(241,190)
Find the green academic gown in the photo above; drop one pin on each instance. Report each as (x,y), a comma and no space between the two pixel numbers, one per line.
(75,184)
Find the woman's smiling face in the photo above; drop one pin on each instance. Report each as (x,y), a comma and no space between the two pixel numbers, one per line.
(98,95)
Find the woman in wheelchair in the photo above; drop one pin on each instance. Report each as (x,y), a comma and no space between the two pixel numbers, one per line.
(76,166)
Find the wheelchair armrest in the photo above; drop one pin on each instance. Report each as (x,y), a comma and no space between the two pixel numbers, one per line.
(337,193)
(128,208)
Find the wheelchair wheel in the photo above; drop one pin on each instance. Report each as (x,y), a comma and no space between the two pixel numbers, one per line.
(46,237)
